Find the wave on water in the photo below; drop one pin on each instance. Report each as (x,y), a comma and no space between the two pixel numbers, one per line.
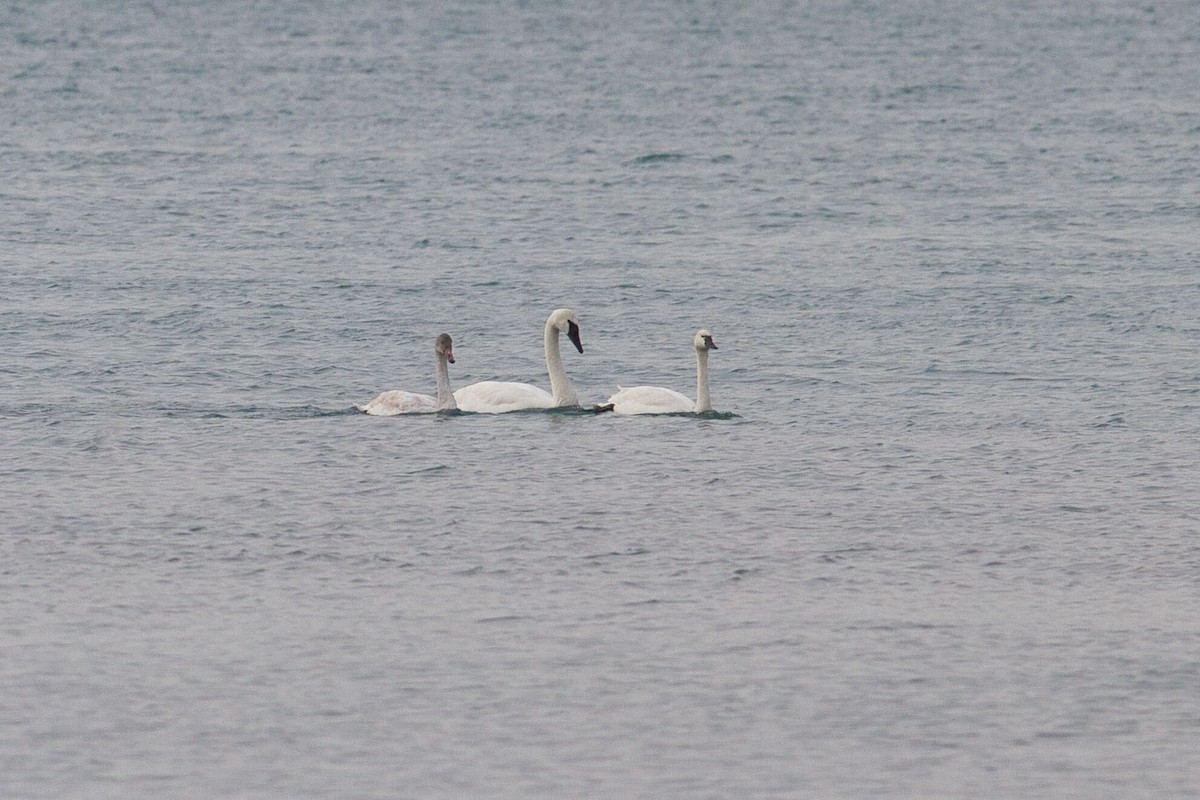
(657,158)
(307,411)
(720,415)
(566,411)
(310,411)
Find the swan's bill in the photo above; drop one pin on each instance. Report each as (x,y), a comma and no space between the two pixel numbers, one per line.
(573,335)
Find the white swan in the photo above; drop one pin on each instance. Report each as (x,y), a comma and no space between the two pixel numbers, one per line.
(399,401)
(498,397)
(659,400)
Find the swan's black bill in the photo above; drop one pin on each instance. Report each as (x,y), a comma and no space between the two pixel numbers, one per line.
(710,344)
(573,335)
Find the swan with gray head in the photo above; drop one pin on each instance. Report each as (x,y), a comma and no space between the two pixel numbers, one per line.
(399,401)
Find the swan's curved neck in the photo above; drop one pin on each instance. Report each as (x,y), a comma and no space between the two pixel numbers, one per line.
(702,401)
(560,384)
(445,397)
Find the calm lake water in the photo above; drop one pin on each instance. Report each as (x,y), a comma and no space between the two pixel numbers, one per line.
(939,539)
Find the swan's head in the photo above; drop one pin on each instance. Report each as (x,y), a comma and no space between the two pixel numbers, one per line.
(443,345)
(704,341)
(564,319)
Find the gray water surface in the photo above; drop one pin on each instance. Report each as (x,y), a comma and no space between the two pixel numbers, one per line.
(939,539)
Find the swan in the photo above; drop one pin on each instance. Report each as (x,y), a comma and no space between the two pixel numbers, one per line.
(498,397)
(659,400)
(399,401)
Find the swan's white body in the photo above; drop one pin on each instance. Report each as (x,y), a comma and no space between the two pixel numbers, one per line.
(651,400)
(660,400)
(499,397)
(399,401)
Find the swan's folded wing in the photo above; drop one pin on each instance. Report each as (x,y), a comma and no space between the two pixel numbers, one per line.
(399,401)
(499,397)
(650,400)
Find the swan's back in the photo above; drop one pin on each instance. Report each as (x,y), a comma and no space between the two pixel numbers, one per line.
(500,397)
(650,400)
(399,401)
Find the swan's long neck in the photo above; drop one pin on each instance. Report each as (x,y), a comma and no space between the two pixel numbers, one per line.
(702,401)
(445,397)
(560,384)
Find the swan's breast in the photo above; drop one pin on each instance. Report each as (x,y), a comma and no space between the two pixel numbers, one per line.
(650,400)
(499,397)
